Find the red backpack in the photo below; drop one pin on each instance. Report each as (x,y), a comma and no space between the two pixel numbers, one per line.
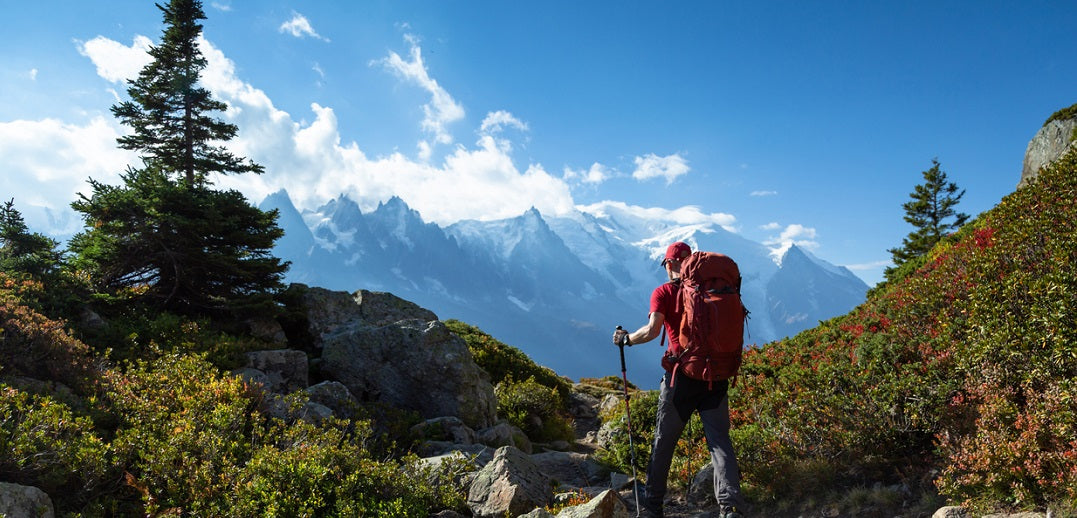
(712,320)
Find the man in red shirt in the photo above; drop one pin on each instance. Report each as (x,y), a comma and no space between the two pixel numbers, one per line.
(677,401)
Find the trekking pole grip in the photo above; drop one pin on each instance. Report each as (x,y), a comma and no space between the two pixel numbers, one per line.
(624,369)
(621,346)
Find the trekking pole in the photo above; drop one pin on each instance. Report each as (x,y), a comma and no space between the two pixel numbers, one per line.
(628,418)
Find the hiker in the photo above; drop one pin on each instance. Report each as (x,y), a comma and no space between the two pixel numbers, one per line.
(681,395)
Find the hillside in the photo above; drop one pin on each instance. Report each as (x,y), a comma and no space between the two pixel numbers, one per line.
(953,383)
(958,375)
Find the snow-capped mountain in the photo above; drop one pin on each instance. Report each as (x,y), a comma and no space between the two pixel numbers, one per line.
(553,287)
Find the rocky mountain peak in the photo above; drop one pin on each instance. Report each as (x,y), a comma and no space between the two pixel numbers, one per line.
(1053,140)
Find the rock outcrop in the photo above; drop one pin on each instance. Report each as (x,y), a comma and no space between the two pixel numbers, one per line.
(411,364)
(375,347)
(1052,141)
(17,500)
(328,310)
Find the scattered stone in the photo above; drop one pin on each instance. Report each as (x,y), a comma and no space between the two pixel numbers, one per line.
(479,454)
(285,370)
(951,512)
(537,512)
(447,514)
(701,491)
(511,484)
(286,409)
(450,429)
(336,397)
(17,500)
(567,469)
(608,504)
(90,319)
(620,481)
(504,434)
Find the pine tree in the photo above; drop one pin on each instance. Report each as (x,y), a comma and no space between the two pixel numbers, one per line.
(165,236)
(23,252)
(168,110)
(931,211)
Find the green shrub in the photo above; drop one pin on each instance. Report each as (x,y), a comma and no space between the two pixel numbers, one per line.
(534,408)
(1012,442)
(194,442)
(955,369)
(643,411)
(1063,114)
(43,444)
(307,470)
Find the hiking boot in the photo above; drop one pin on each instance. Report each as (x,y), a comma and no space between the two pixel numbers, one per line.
(650,508)
(730,512)
(650,511)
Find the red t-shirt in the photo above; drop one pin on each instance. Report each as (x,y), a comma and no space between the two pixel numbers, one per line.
(664,301)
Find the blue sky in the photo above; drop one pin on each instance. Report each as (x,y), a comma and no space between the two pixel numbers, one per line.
(806,122)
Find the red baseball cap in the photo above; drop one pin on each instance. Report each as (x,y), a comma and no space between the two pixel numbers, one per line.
(678,250)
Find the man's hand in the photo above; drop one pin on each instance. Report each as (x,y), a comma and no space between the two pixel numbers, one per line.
(620,337)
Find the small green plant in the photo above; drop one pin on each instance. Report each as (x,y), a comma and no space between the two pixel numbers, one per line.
(575,498)
(534,408)
(1063,114)
(619,453)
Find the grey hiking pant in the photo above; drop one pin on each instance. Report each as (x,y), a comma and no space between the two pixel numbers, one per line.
(675,407)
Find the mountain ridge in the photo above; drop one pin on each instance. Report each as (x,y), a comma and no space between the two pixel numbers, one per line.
(553,286)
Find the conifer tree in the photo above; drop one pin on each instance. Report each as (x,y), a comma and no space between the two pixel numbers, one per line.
(165,235)
(931,211)
(23,252)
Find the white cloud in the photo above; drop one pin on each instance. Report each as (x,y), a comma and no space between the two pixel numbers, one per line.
(442,109)
(795,231)
(492,127)
(595,175)
(795,234)
(764,193)
(220,6)
(773,225)
(51,160)
(32,74)
(687,215)
(314,165)
(495,122)
(300,27)
(47,163)
(654,166)
(115,61)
